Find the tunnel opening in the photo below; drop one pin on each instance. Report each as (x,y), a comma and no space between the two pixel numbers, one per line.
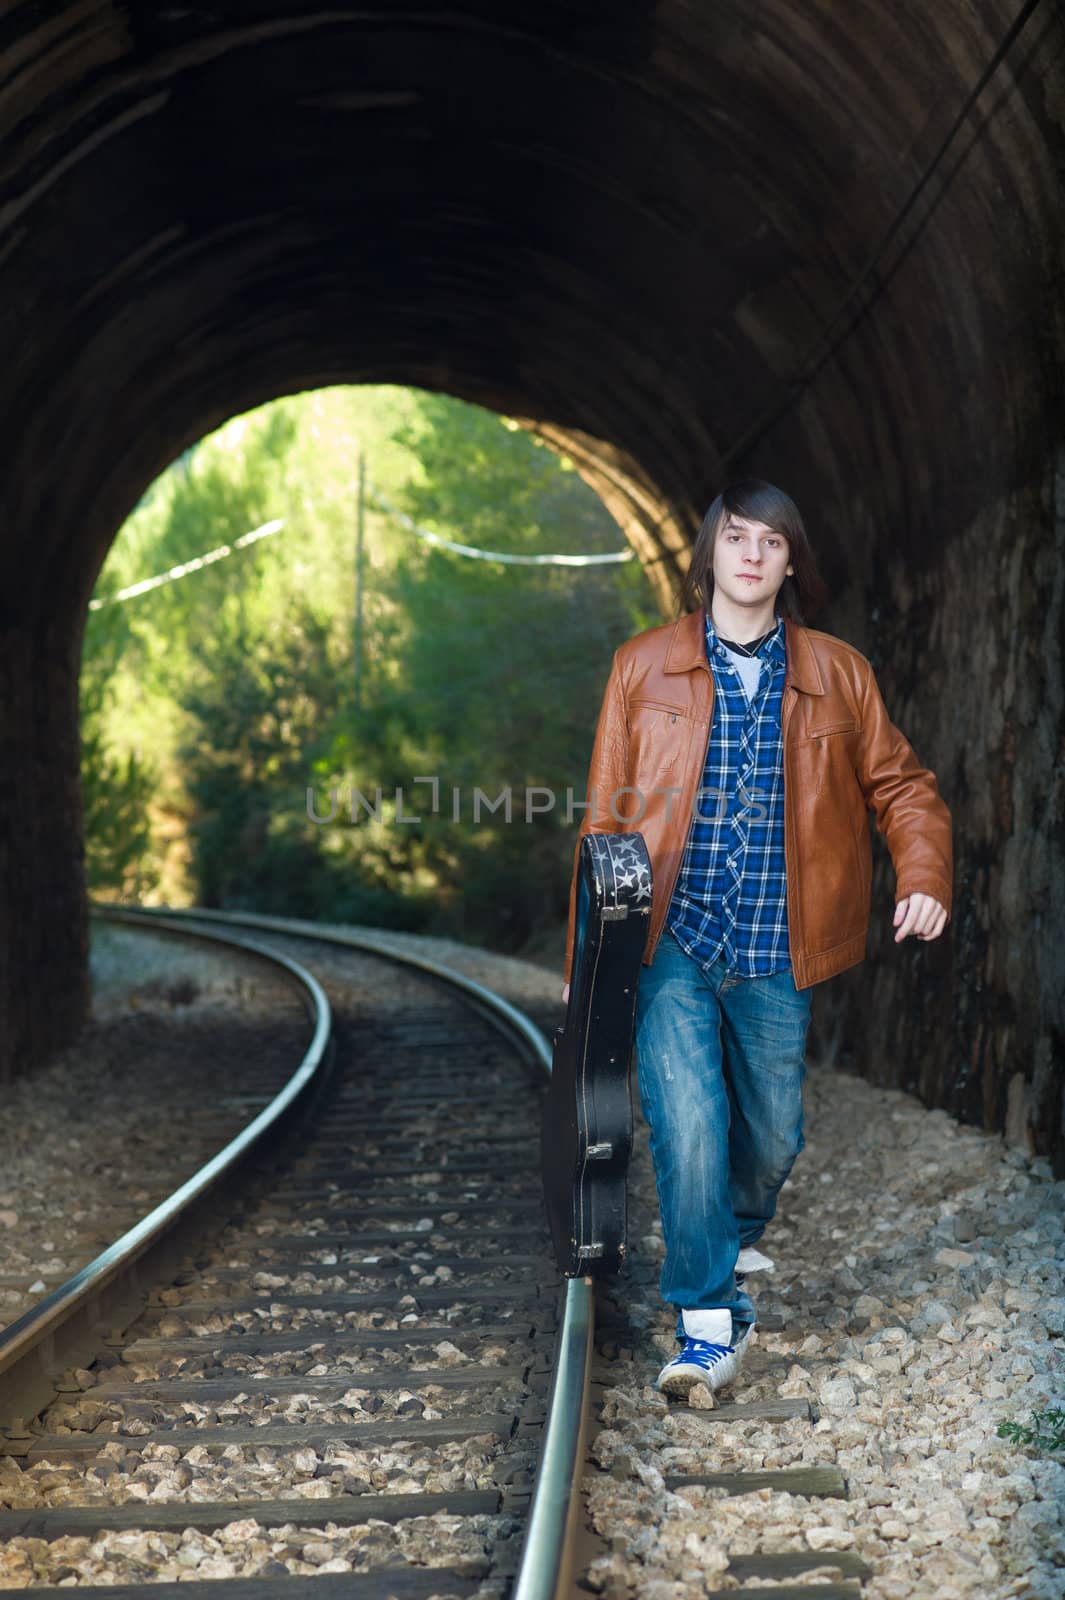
(684,243)
(342,663)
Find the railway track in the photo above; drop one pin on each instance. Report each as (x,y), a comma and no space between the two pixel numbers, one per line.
(356,1365)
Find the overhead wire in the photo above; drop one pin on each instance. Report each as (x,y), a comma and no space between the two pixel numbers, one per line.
(183,569)
(807,371)
(388,699)
(505,558)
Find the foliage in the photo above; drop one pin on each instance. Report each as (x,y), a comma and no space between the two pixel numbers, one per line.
(1046,1432)
(234,687)
(117,786)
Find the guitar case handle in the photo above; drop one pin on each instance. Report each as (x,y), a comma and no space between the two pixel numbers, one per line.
(586,1136)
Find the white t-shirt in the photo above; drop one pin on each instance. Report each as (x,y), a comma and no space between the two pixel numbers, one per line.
(748,667)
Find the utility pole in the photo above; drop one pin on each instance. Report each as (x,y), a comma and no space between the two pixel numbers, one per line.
(360,518)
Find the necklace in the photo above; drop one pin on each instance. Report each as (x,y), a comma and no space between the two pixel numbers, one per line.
(750,649)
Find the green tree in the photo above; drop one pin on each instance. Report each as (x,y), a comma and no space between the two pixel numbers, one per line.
(117,787)
(234,686)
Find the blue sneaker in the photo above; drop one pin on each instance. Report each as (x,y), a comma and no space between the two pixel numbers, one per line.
(711,1353)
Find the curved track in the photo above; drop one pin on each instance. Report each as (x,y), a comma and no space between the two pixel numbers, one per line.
(363,1332)
(380,1294)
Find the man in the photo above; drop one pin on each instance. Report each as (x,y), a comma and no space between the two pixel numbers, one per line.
(748,749)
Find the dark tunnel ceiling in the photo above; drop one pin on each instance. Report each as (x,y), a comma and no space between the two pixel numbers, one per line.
(624,223)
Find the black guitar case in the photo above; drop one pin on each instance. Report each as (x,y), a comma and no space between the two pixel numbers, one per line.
(587,1125)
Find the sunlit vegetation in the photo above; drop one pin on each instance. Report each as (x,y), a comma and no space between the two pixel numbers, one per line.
(212,704)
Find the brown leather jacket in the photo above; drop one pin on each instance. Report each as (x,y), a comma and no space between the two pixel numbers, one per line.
(842,758)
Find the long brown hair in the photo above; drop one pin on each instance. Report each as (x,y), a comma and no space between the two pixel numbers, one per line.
(801,594)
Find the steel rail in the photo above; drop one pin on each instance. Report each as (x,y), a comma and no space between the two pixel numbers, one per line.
(521,1029)
(545,1566)
(33,1347)
(545,1570)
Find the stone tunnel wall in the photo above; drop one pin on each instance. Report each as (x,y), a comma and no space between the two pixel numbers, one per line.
(685,243)
(970,658)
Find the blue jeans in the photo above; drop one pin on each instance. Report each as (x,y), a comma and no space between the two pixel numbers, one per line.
(721,1067)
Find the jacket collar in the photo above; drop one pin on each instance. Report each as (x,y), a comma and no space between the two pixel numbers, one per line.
(687,650)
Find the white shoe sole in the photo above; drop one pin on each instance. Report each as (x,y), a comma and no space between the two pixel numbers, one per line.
(680,1380)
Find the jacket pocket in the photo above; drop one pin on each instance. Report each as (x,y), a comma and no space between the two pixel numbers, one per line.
(641,704)
(659,740)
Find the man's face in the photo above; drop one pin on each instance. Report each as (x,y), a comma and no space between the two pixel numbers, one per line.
(750,561)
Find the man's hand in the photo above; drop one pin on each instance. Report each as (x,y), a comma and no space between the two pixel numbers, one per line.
(921,914)
(565,994)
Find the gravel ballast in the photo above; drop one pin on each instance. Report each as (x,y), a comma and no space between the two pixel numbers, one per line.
(920,1279)
(920,1273)
(185,1044)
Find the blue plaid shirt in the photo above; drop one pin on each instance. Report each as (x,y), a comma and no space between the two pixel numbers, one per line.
(730,899)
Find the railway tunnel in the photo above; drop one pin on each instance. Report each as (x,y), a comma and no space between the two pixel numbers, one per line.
(812,242)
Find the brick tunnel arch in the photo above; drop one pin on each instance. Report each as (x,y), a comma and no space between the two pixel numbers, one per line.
(682,243)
